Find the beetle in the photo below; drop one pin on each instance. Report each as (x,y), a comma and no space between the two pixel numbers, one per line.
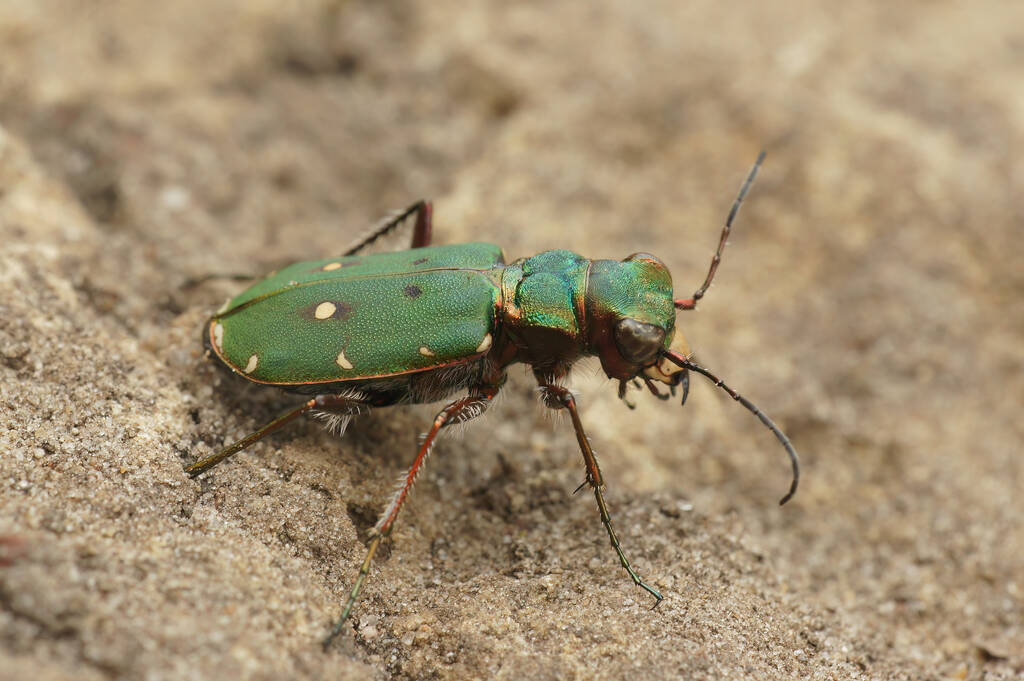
(357,332)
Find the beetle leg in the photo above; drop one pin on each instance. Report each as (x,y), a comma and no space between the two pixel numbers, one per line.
(198,280)
(623,385)
(337,410)
(558,397)
(654,390)
(209,462)
(424,228)
(458,411)
(341,405)
(421,232)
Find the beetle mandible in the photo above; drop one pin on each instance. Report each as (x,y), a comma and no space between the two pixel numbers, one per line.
(454,318)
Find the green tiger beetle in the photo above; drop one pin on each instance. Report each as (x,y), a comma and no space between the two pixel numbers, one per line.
(361,331)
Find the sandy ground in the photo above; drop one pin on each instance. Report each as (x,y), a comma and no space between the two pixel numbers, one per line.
(870,301)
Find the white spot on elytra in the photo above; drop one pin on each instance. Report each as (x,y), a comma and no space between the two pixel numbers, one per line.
(484,344)
(425,351)
(343,361)
(224,307)
(251,366)
(325,310)
(218,336)
(331,266)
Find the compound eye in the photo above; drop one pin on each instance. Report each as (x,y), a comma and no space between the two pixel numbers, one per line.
(646,257)
(638,342)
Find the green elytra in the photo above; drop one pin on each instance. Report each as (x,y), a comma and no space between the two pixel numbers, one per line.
(364,331)
(434,306)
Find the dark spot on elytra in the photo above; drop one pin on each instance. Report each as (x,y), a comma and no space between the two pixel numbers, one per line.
(413,291)
(420,261)
(342,310)
(350,263)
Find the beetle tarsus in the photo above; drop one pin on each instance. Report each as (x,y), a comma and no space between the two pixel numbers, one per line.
(354,594)
(209,462)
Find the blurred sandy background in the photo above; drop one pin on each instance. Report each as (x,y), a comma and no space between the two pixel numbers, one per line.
(870,301)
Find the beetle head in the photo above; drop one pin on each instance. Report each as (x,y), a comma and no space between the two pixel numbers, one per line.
(631,318)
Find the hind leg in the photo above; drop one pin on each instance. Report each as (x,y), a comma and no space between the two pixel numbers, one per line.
(421,232)
(343,406)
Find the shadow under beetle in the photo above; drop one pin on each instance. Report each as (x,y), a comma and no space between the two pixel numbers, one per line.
(356,332)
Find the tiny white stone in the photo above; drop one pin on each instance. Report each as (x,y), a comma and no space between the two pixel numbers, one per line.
(175,197)
(331,266)
(484,344)
(325,310)
(253,361)
(218,336)
(425,351)
(343,361)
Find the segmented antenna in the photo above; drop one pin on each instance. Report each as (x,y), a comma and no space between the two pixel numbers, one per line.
(685,363)
(691,303)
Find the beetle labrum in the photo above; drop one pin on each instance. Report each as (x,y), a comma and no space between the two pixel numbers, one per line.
(454,318)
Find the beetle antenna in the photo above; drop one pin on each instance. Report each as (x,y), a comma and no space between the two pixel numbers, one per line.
(685,363)
(691,303)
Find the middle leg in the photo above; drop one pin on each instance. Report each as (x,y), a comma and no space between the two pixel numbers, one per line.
(458,411)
